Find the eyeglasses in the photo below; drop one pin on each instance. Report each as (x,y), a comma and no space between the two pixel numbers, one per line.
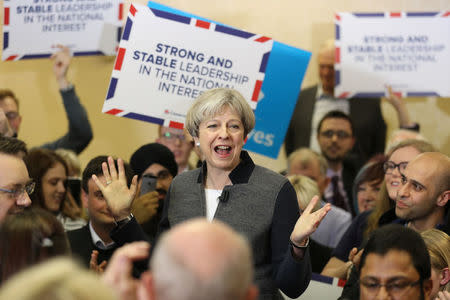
(341,134)
(389,166)
(172,137)
(164,174)
(394,288)
(28,188)
(12,115)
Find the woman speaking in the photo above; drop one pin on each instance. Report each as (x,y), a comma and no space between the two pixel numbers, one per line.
(259,203)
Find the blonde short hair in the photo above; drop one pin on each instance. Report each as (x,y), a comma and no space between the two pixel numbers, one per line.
(438,245)
(212,102)
(56,279)
(306,189)
(71,159)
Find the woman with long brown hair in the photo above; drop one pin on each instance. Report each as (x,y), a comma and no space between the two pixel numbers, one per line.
(50,171)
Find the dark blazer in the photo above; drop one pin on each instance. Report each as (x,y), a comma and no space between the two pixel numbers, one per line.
(370,128)
(81,243)
(349,170)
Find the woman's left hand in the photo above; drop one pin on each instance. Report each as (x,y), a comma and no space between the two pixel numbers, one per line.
(308,222)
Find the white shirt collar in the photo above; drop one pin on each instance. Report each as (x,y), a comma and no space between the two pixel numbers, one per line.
(98,241)
(331,173)
(320,93)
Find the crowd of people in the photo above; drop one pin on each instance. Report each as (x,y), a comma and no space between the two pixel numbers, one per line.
(159,227)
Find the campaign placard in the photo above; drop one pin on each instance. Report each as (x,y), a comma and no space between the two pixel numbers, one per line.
(32,28)
(406,50)
(167,58)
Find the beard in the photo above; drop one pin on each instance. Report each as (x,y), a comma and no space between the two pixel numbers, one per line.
(333,159)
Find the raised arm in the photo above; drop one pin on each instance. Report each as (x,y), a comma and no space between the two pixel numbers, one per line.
(80,132)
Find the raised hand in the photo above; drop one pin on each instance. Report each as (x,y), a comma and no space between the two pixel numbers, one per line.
(116,192)
(308,222)
(61,62)
(399,105)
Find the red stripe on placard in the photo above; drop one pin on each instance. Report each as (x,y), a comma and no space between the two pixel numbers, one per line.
(338,17)
(119,59)
(202,24)
(176,125)
(344,95)
(133,10)
(446,14)
(114,111)
(395,14)
(263,39)
(337,57)
(256,91)
(12,57)
(398,94)
(6,18)
(341,282)
(120,11)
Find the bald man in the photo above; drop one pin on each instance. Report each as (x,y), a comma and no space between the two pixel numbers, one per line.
(423,199)
(195,260)
(314,102)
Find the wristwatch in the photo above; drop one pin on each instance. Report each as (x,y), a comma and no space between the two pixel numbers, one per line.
(124,221)
(300,247)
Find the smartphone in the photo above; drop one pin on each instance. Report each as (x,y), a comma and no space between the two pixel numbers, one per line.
(74,185)
(148,184)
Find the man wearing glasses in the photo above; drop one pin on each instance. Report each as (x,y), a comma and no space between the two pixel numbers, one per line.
(395,265)
(336,140)
(15,184)
(315,101)
(180,143)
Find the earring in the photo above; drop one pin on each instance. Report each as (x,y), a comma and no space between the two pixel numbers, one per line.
(197,144)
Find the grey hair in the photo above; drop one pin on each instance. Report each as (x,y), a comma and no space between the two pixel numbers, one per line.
(212,102)
(306,156)
(176,279)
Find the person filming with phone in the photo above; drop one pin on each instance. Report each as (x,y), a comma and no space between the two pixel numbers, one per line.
(155,166)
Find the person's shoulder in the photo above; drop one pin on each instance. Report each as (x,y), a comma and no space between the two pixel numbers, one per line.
(362,217)
(79,233)
(188,176)
(268,175)
(309,90)
(364,102)
(340,213)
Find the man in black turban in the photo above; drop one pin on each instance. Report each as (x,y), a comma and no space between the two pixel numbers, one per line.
(152,162)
